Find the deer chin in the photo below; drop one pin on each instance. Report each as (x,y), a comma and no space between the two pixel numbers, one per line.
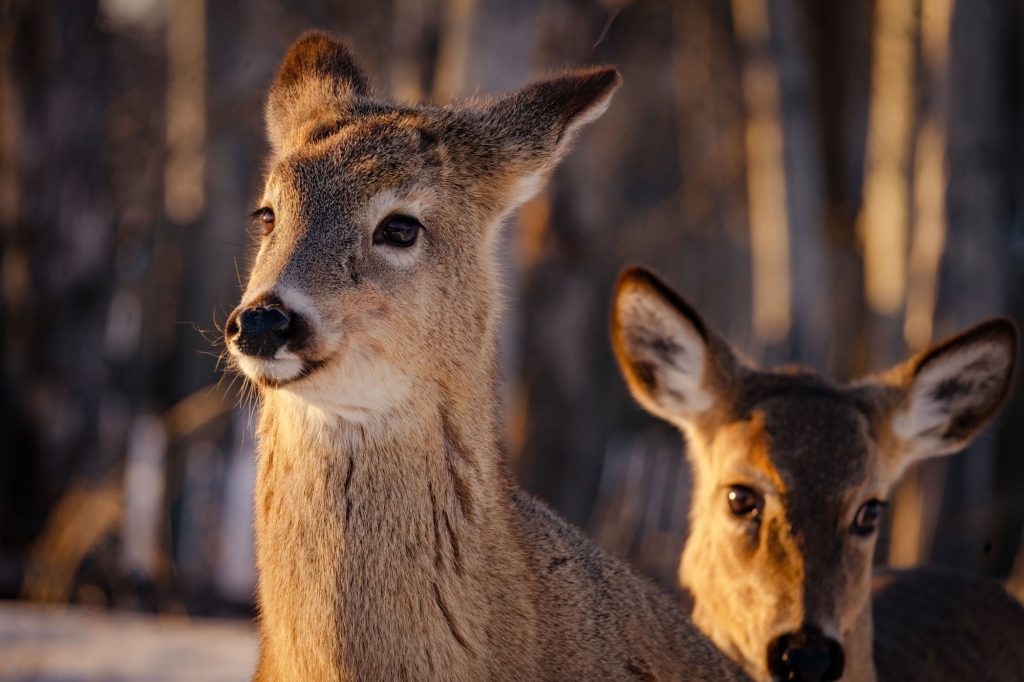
(354,386)
(285,367)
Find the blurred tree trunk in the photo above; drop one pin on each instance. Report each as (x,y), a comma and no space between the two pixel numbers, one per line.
(973,280)
(814,315)
(564,296)
(768,218)
(1010,465)
(839,37)
(671,199)
(917,501)
(58,227)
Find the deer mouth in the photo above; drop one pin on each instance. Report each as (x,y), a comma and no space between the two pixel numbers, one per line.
(272,367)
(283,368)
(292,364)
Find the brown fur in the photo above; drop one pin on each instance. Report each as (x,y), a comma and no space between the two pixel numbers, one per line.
(816,451)
(934,624)
(392,542)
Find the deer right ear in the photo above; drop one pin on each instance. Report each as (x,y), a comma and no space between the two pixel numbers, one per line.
(317,77)
(949,393)
(532,128)
(672,361)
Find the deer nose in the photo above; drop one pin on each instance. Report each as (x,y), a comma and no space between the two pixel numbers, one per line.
(806,655)
(259,330)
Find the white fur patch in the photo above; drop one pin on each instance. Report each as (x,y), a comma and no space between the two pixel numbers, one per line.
(595,110)
(355,388)
(527,186)
(295,301)
(273,370)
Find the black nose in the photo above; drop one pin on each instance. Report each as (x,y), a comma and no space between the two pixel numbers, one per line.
(806,655)
(259,330)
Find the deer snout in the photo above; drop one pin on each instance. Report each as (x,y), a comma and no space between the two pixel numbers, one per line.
(806,655)
(259,330)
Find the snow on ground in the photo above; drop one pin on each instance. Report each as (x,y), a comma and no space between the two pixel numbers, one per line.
(62,644)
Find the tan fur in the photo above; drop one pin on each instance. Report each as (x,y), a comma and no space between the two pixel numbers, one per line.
(816,451)
(392,542)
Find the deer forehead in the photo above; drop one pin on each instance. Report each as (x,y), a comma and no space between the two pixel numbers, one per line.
(741,454)
(797,444)
(347,169)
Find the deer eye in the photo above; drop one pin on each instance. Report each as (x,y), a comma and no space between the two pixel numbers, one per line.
(744,502)
(397,230)
(264,218)
(866,521)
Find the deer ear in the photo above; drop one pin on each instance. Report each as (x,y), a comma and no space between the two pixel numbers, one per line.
(675,365)
(949,393)
(317,78)
(534,127)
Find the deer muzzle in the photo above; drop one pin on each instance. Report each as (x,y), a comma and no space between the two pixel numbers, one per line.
(806,655)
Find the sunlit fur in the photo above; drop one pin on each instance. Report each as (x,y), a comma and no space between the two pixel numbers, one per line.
(392,543)
(816,451)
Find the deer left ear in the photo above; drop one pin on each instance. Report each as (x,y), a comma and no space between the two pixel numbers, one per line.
(953,390)
(676,366)
(534,127)
(317,77)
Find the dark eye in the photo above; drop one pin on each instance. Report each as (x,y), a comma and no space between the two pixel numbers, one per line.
(866,521)
(744,502)
(264,218)
(397,230)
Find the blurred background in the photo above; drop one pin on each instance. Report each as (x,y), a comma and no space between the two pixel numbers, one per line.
(832,183)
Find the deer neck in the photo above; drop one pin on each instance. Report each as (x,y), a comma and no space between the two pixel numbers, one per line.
(383,532)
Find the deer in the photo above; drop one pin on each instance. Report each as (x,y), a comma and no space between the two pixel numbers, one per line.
(791,473)
(393,542)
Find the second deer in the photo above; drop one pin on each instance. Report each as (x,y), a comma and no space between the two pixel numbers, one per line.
(791,474)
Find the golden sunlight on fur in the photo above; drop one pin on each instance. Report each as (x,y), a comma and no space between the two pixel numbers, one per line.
(791,474)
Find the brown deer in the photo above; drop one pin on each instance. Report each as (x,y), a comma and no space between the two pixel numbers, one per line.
(392,541)
(791,473)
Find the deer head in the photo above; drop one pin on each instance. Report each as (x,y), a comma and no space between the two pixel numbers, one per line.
(792,471)
(375,278)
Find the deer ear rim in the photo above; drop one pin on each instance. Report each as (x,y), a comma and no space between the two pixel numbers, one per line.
(638,276)
(519,137)
(537,123)
(918,430)
(999,329)
(670,358)
(567,99)
(594,91)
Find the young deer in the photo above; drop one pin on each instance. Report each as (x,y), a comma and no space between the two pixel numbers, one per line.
(392,542)
(790,476)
